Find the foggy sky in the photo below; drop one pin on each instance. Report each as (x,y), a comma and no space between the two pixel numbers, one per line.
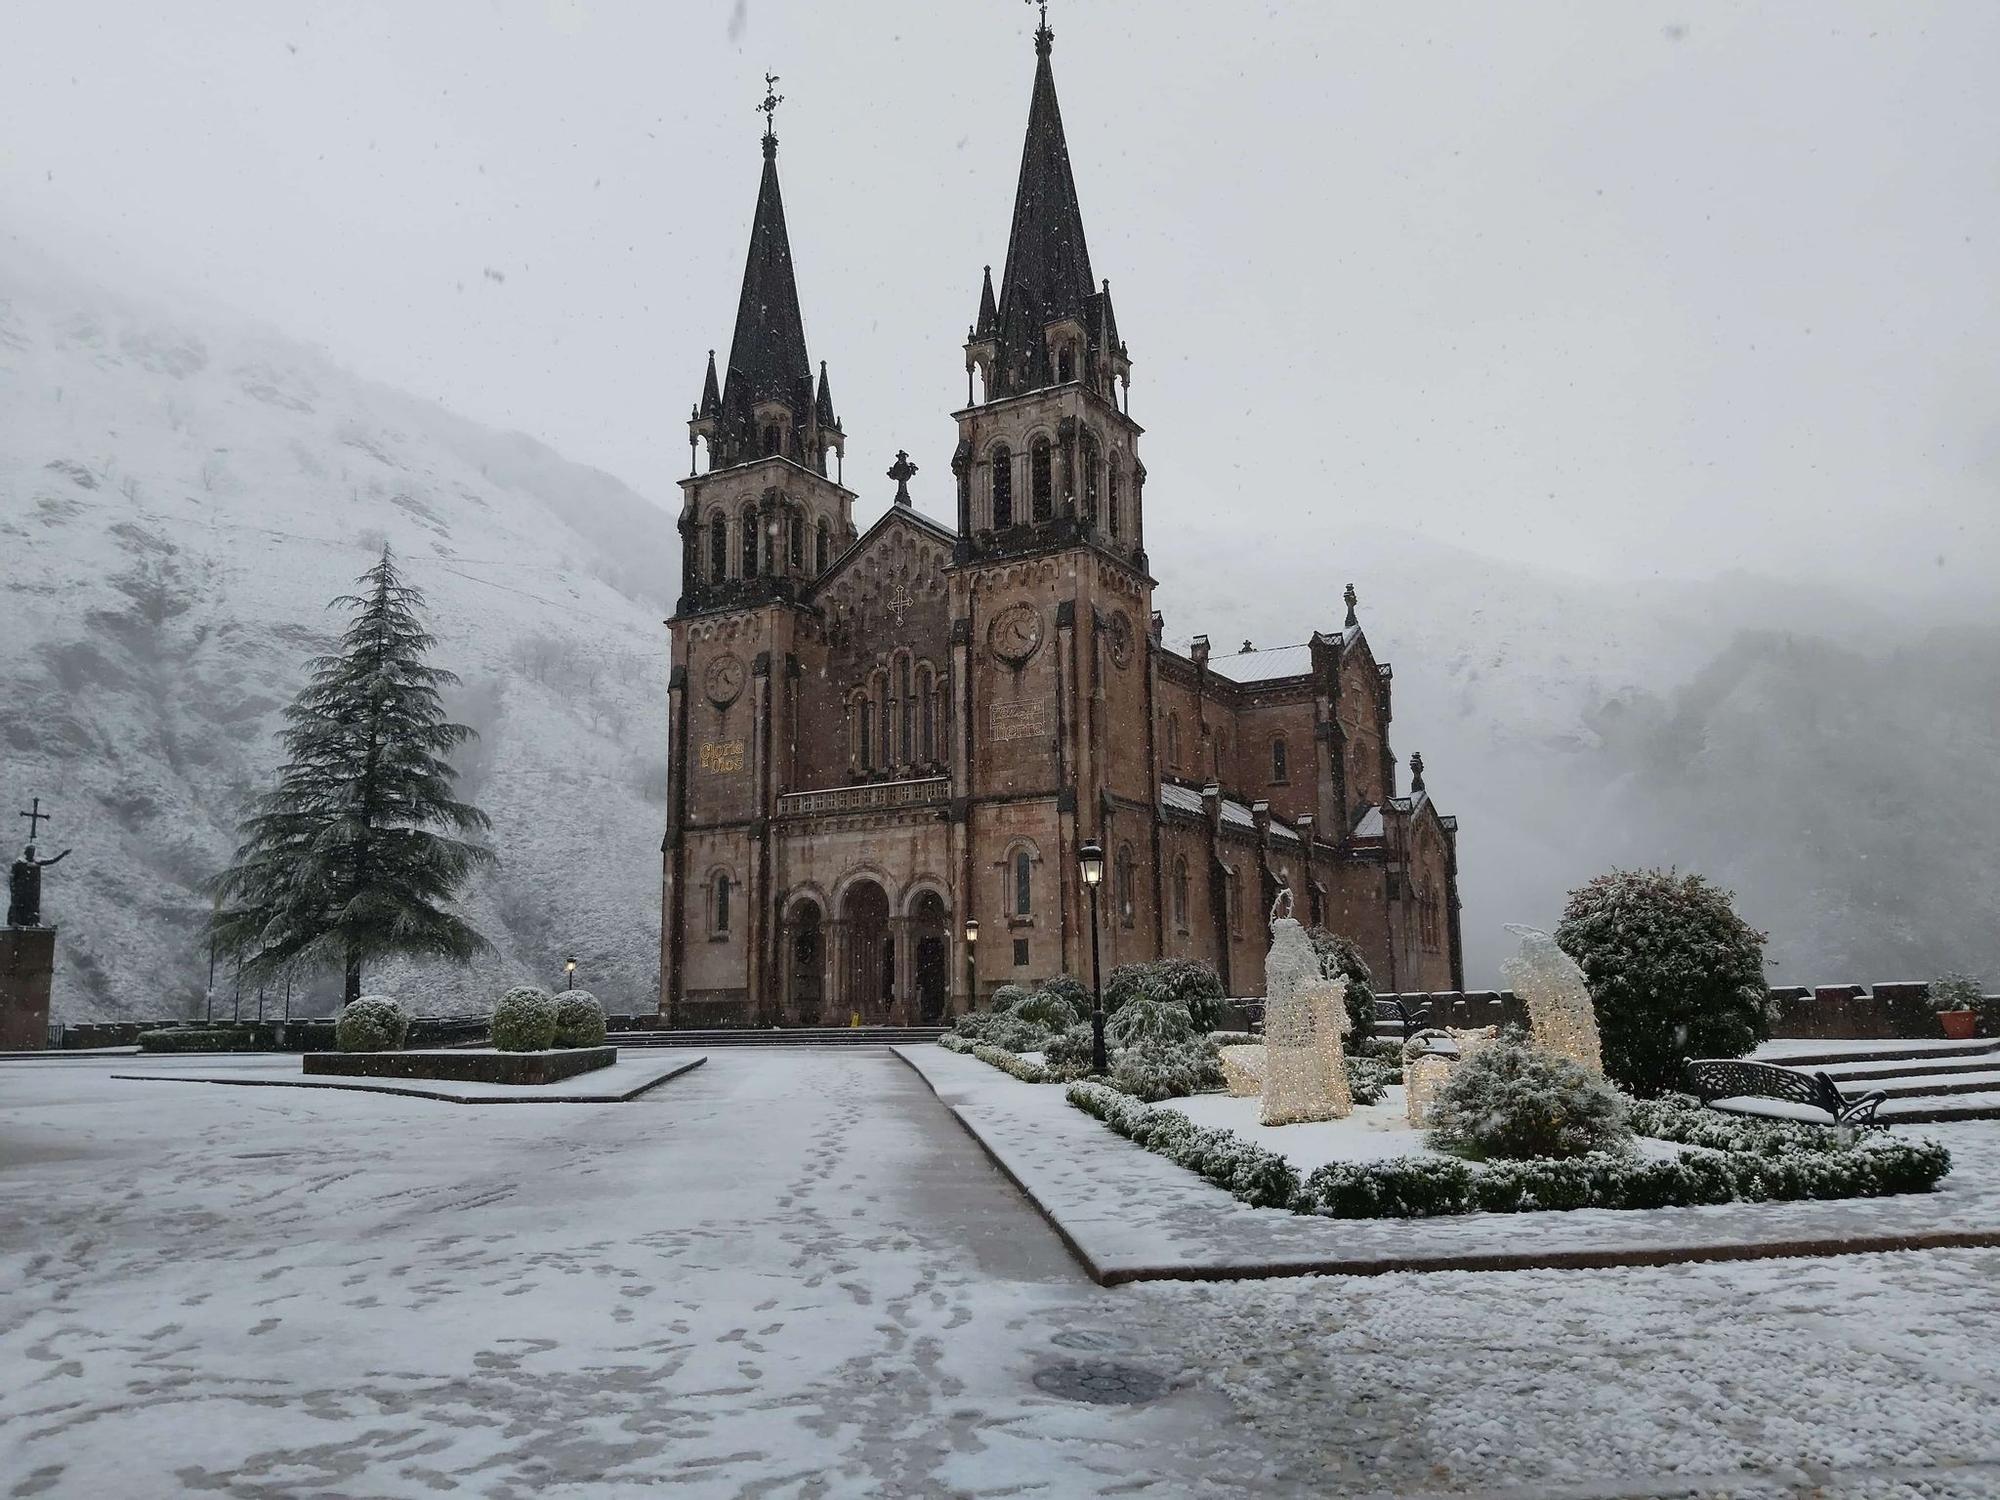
(1632,290)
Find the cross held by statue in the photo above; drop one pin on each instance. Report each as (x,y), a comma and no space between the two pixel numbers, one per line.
(36,817)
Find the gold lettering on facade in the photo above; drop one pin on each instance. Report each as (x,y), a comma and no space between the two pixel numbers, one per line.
(726,756)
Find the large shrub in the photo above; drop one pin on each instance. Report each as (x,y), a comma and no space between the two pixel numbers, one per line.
(1007,996)
(1340,958)
(1194,987)
(1070,1053)
(1156,1069)
(373,1023)
(1054,1006)
(579,1020)
(1515,1101)
(1148,1018)
(1673,971)
(525,1020)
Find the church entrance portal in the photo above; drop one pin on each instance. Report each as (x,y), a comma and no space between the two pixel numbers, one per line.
(807,967)
(870,978)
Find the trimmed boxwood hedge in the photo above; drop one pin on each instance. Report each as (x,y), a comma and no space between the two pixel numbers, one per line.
(1746,1161)
(1011,1063)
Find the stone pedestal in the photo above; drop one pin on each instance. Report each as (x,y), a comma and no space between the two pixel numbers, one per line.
(27,962)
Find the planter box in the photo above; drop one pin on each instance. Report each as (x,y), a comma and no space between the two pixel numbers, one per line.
(465,1066)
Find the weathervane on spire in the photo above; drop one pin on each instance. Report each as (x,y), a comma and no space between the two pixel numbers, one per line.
(1043,36)
(769,110)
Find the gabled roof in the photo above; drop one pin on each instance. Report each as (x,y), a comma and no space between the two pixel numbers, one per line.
(1185,799)
(1263,666)
(767,355)
(896,514)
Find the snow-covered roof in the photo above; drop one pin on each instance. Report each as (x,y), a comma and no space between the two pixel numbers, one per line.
(1262,666)
(1370,826)
(1177,798)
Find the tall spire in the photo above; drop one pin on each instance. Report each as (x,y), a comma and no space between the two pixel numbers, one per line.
(768,353)
(1048,275)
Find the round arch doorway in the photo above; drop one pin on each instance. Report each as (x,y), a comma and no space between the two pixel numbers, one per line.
(930,926)
(808,942)
(869,981)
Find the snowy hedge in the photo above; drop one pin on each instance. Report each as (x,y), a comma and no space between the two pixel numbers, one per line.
(1158,1068)
(1260,1178)
(1748,1161)
(525,1020)
(373,1023)
(579,1020)
(1010,1063)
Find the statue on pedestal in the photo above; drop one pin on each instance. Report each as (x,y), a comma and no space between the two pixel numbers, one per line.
(24,881)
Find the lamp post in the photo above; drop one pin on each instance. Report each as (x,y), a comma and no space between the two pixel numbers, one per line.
(1091,858)
(569,974)
(971,975)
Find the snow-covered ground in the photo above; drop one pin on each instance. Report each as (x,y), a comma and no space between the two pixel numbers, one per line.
(790,1274)
(634,1072)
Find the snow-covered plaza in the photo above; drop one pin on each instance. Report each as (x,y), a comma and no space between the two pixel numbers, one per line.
(792,1273)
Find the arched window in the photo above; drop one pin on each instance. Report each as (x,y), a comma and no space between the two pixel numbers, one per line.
(822,548)
(1173,742)
(718,547)
(1115,519)
(1003,488)
(907,718)
(1278,767)
(942,712)
(1090,478)
(719,912)
(1042,479)
(795,543)
(1024,883)
(1180,894)
(1122,884)
(774,439)
(926,693)
(1066,365)
(747,542)
(883,748)
(867,756)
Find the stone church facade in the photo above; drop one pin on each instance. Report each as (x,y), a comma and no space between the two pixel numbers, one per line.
(876,736)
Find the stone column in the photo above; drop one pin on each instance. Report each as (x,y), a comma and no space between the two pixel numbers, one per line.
(27,963)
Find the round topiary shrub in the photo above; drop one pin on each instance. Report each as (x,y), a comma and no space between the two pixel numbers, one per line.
(579,1020)
(1508,1099)
(1674,973)
(525,1020)
(1195,987)
(373,1023)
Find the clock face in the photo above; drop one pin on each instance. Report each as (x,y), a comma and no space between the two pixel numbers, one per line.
(1016,633)
(724,680)
(1118,632)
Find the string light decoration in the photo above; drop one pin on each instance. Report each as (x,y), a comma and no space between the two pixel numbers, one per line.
(1243,1070)
(1425,1071)
(1550,984)
(1305,1016)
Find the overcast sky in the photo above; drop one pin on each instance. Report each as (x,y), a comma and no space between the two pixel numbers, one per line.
(1634,289)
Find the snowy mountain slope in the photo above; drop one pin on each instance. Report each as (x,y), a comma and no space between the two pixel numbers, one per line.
(180,496)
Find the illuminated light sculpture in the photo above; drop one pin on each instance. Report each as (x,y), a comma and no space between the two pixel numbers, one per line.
(1243,1070)
(1305,1016)
(1553,988)
(1425,1071)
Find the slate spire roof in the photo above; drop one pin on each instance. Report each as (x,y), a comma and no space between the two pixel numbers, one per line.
(1048,262)
(767,355)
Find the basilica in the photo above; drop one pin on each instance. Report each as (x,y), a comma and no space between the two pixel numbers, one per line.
(888,747)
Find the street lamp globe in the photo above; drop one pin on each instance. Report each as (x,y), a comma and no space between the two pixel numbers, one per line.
(1091,858)
(972,929)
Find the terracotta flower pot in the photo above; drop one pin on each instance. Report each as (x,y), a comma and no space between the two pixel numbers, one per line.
(1958,1024)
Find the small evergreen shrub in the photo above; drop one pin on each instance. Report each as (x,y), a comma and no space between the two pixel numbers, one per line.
(1193,987)
(373,1023)
(579,1020)
(1007,996)
(1070,1053)
(1368,1080)
(1673,972)
(525,1020)
(1512,1100)
(1156,1069)
(1340,958)
(1956,992)
(201,1039)
(1013,1034)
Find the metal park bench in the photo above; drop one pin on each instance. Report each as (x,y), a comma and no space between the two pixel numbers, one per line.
(1712,1079)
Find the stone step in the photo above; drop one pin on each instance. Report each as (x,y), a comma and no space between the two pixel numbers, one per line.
(1926,1066)
(1870,1051)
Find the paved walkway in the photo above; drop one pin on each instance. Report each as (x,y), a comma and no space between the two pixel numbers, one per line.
(791,1274)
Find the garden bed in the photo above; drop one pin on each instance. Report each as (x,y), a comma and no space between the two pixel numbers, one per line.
(465,1066)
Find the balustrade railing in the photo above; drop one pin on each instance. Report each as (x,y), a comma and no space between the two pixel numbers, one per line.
(875,796)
